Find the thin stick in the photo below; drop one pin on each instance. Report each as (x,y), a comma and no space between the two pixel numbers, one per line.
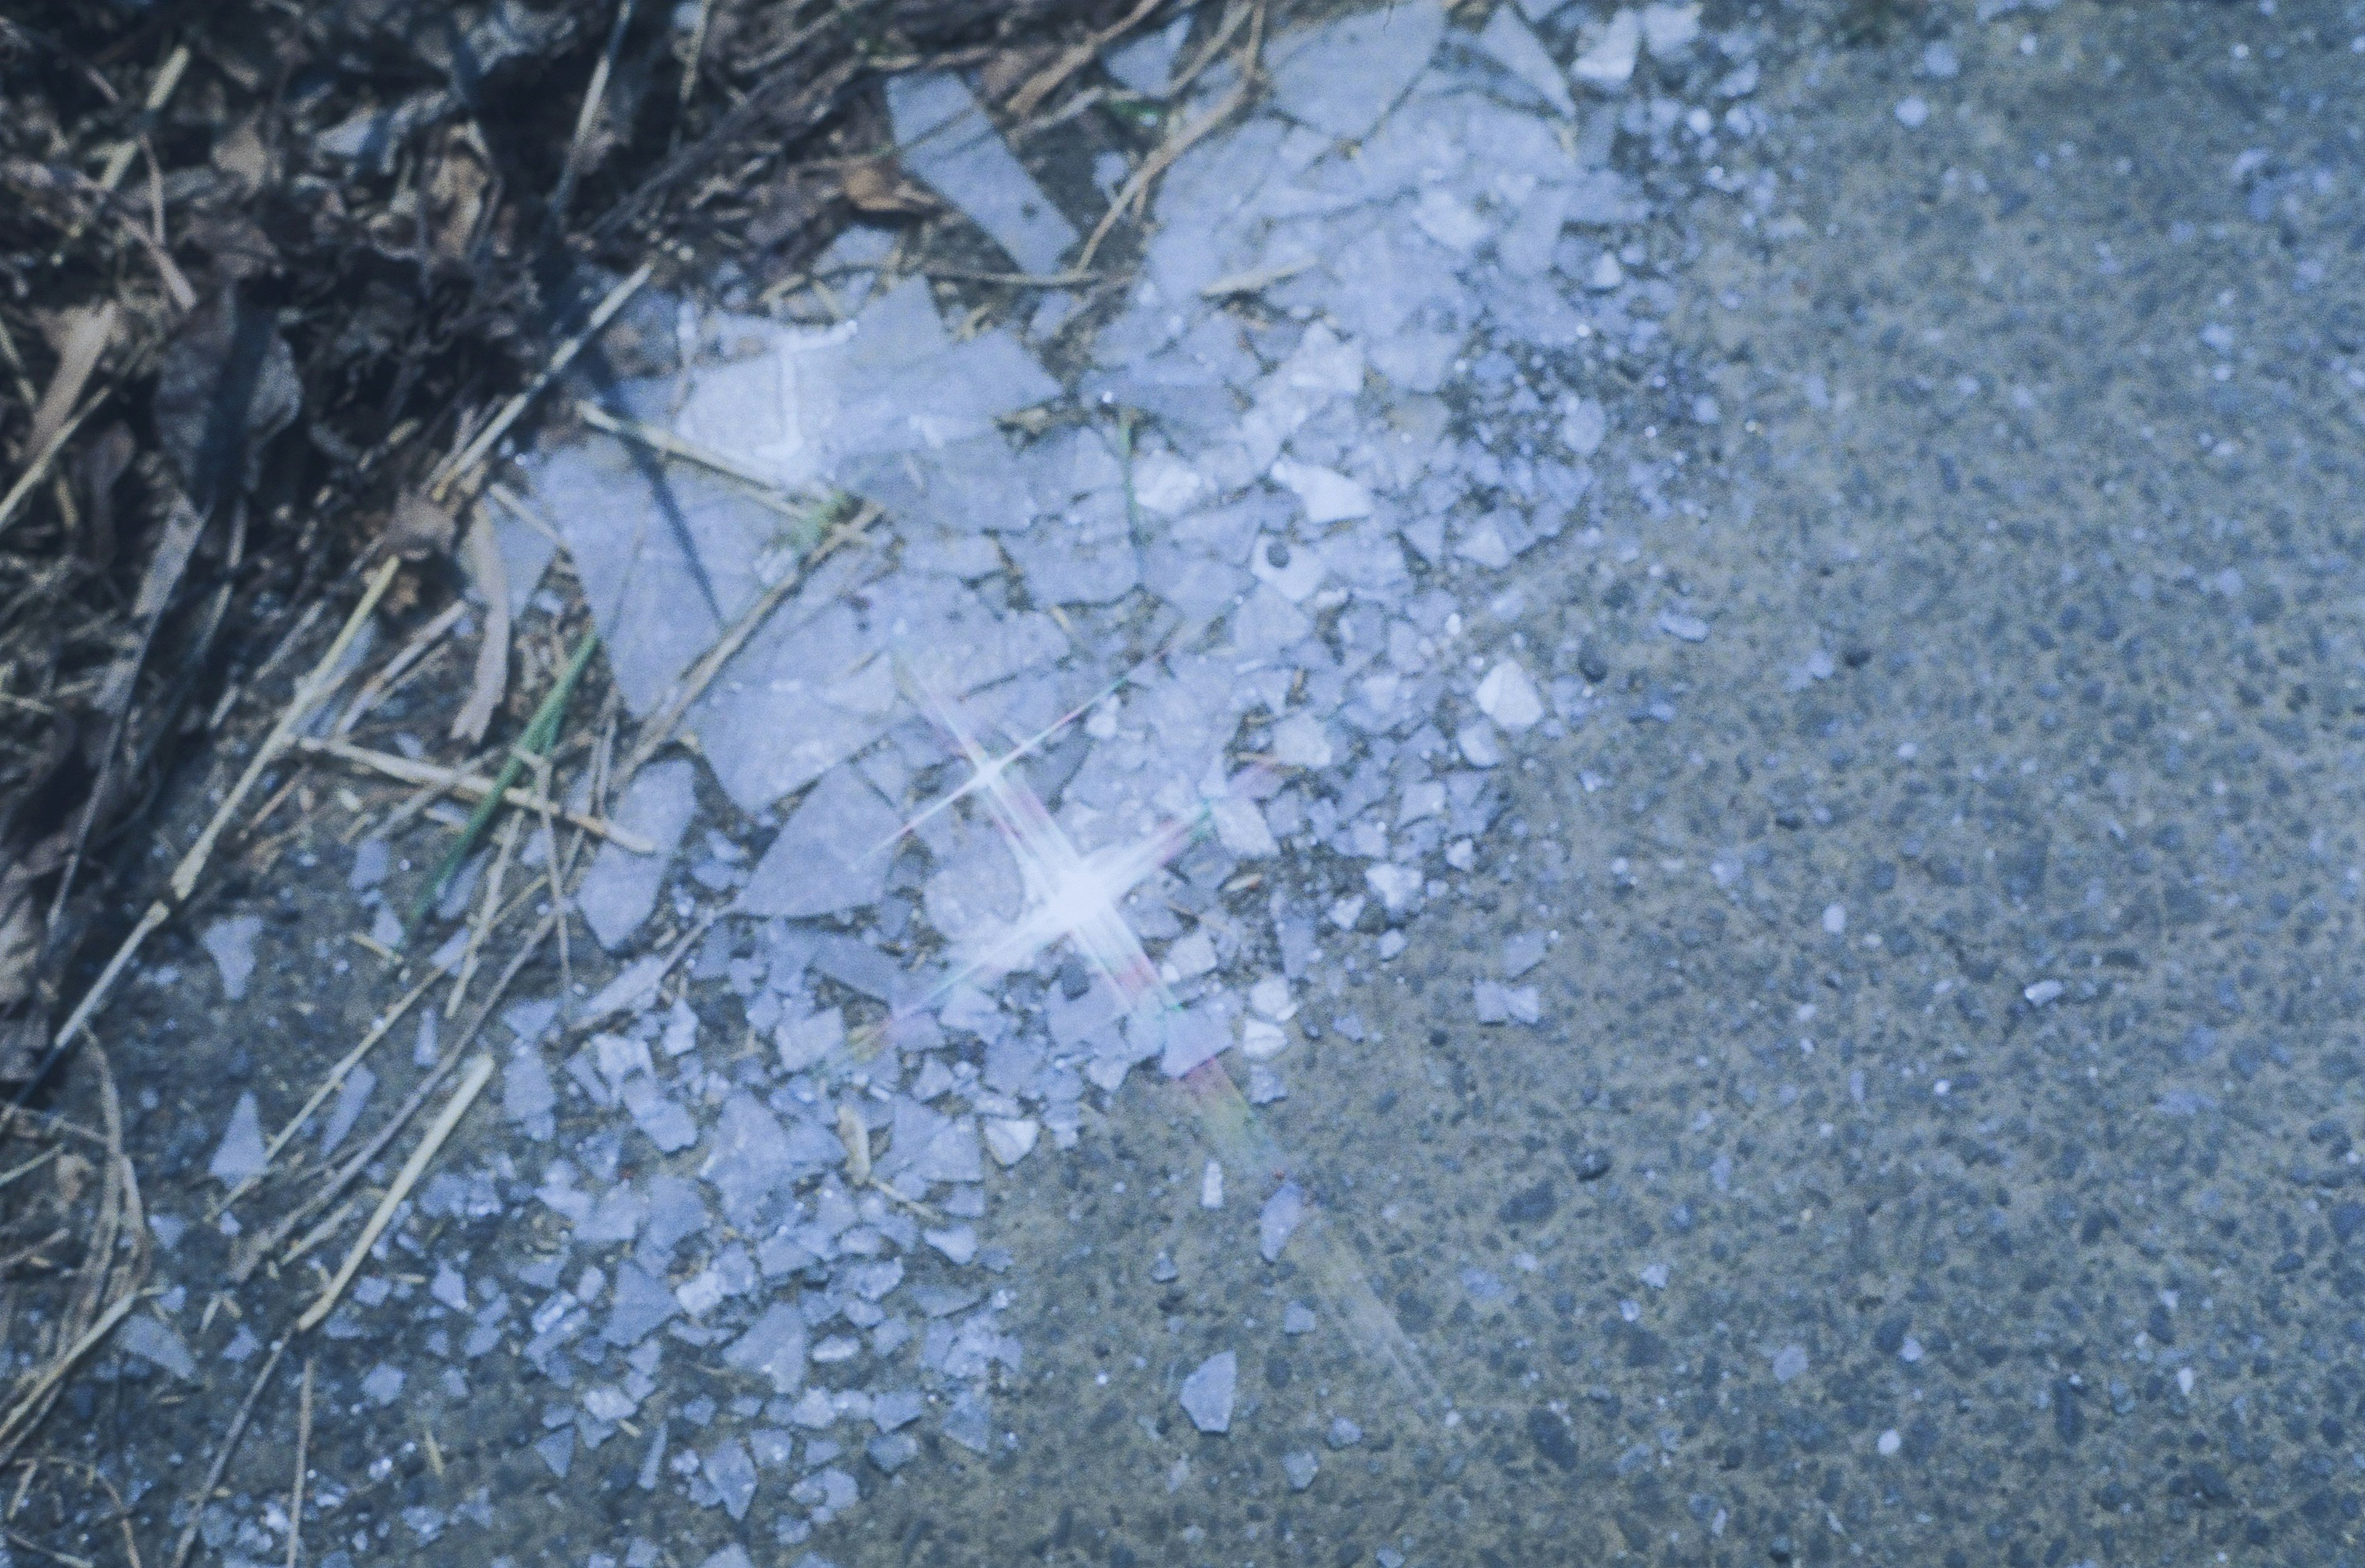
(329,1085)
(303,1443)
(474,453)
(480,1072)
(422,643)
(659,730)
(314,690)
(697,51)
(588,116)
(487,908)
(540,731)
(34,471)
(33,1399)
(221,1456)
(1031,96)
(672,445)
(332,1186)
(456,781)
(1136,190)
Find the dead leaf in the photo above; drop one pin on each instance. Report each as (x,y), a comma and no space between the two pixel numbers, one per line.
(491,677)
(419,528)
(877,185)
(82,336)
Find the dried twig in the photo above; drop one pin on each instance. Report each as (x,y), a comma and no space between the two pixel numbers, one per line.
(303,1444)
(221,1455)
(329,1188)
(480,1072)
(468,458)
(659,729)
(587,117)
(381,684)
(1043,83)
(457,781)
(1136,191)
(329,1085)
(540,731)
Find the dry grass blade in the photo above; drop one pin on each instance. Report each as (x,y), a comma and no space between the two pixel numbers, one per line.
(303,1448)
(35,1400)
(323,679)
(480,1072)
(672,445)
(456,781)
(43,460)
(1047,81)
(328,1086)
(328,1189)
(588,119)
(382,683)
(222,1455)
(1136,191)
(468,458)
(659,729)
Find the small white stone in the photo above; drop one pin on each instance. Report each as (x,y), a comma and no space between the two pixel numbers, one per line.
(1207,1393)
(1834,918)
(1509,697)
(1912,111)
(1889,1442)
(1211,1186)
(2043,992)
(1008,1140)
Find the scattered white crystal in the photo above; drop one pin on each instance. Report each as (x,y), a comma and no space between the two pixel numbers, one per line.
(153,1341)
(1513,45)
(1010,1138)
(1912,111)
(1668,30)
(241,1154)
(1788,1363)
(1211,1186)
(1689,628)
(1298,741)
(831,855)
(1207,1393)
(1610,50)
(231,944)
(621,889)
(1509,695)
(1583,423)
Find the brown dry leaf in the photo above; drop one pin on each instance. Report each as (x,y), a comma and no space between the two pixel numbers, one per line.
(419,528)
(877,185)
